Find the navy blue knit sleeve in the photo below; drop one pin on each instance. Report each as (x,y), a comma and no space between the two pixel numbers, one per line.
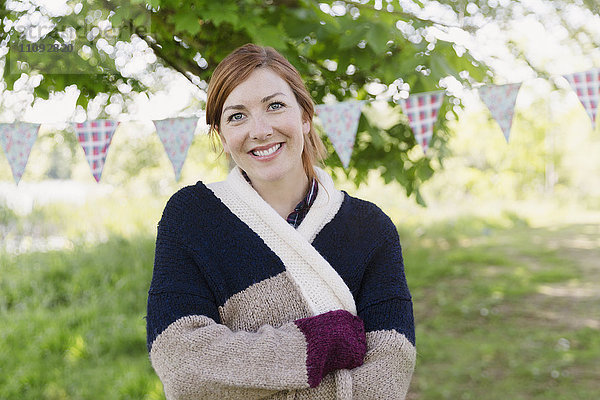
(384,300)
(384,303)
(178,288)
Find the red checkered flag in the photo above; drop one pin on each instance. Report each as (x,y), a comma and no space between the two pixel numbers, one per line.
(422,112)
(95,137)
(587,86)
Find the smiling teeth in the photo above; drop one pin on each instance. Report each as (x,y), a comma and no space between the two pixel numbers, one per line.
(263,153)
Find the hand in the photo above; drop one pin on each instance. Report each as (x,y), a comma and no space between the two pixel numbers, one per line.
(335,340)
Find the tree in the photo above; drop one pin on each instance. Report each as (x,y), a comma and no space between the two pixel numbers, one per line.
(344,49)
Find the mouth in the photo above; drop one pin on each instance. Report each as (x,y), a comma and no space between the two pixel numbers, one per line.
(266,151)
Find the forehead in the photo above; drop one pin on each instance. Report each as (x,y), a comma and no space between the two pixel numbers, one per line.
(262,82)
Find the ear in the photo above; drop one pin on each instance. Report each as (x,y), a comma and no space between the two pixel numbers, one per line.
(223,142)
(305,127)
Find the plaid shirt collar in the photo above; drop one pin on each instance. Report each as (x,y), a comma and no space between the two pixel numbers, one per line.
(297,216)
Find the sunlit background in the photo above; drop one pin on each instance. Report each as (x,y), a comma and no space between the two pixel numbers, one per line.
(502,261)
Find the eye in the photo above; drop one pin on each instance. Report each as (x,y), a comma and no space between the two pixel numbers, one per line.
(235,117)
(276,105)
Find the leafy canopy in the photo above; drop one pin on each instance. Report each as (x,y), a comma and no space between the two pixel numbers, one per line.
(362,50)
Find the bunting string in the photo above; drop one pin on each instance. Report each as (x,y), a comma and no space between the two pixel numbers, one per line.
(339,121)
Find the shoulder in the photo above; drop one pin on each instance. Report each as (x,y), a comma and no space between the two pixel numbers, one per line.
(187,204)
(361,223)
(366,213)
(186,198)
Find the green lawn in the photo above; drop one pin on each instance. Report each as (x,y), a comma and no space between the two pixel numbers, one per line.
(503,310)
(506,313)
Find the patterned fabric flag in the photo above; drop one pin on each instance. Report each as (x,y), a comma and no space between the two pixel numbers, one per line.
(340,121)
(17,139)
(422,112)
(500,99)
(176,135)
(587,86)
(95,137)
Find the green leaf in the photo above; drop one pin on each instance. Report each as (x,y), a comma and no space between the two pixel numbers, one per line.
(42,92)
(351,36)
(420,200)
(82,101)
(425,172)
(218,12)
(441,68)
(268,36)
(377,37)
(187,22)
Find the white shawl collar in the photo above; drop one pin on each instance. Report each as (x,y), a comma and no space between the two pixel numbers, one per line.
(321,286)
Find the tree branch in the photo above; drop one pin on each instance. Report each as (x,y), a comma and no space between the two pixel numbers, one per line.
(161,54)
(154,46)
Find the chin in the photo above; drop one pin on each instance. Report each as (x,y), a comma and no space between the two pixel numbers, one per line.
(270,176)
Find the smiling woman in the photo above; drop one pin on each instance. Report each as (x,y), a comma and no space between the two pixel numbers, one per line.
(272,283)
(263,131)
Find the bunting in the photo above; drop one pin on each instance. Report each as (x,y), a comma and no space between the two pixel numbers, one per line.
(587,86)
(422,112)
(340,121)
(95,137)
(500,100)
(17,139)
(176,135)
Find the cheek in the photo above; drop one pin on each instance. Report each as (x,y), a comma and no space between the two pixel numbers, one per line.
(232,139)
(294,127)
(224,143)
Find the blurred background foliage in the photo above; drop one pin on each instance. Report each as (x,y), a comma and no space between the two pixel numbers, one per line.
(365,50)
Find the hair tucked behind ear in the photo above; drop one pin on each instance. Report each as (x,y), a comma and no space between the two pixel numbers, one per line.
(237,67)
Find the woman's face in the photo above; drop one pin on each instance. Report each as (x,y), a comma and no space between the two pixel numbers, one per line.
(262,128)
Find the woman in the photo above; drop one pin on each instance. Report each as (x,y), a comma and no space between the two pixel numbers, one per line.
(272,284)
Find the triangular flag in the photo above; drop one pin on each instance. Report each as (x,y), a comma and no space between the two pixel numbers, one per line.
(422,112)
(17,139)
(587,86)
(176,135)
(340,121)
(95,137)
(501,99)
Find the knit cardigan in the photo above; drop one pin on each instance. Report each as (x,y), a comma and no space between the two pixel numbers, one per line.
(231,277)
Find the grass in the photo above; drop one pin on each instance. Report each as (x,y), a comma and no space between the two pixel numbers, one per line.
(74,326)
(485,331)
(498,307)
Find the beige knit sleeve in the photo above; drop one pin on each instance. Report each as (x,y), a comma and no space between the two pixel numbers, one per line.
(387,369)
(197,358)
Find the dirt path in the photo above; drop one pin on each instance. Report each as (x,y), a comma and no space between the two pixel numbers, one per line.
(573,302)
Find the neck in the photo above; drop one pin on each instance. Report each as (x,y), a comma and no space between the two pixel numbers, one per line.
(283,195)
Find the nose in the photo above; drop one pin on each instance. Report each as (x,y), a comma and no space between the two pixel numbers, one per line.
(261,129)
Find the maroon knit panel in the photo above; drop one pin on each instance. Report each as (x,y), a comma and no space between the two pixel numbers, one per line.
(335,340)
